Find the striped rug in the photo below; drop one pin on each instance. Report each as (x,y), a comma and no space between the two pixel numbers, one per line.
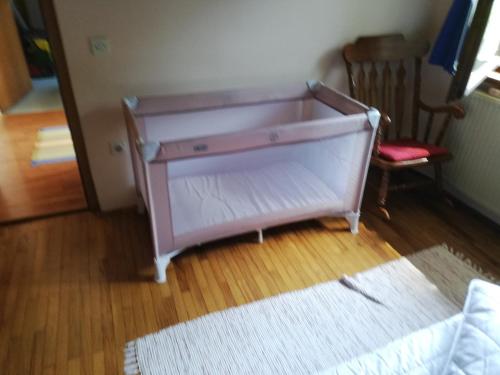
(53,145)
(310,330)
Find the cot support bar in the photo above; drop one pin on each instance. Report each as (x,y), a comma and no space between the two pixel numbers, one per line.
(260,236)
(353,220)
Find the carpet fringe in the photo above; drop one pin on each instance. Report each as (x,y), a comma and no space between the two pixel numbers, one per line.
(131,364)
(487,275)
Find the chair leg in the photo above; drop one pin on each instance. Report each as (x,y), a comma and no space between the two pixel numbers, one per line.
(383,192)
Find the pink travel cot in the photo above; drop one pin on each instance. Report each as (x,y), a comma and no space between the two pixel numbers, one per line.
(218,164)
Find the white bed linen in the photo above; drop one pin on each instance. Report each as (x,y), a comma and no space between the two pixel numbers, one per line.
(465,344)
(476,344)
(199,202)
(423,352)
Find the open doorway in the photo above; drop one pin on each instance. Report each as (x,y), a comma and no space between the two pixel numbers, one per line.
(39,173)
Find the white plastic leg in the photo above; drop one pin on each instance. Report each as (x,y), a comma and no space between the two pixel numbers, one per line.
(161,264)
(261,236)
(353,220)
(141,208)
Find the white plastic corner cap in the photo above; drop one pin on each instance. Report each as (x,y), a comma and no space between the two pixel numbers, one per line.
(373,117)
(314,85)
(131,101)
(149,150)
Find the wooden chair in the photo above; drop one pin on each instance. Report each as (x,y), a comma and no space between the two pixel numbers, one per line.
(377,68)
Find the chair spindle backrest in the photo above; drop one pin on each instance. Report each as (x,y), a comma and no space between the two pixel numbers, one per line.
(378,76)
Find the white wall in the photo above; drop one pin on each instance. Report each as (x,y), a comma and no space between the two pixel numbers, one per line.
(160,46)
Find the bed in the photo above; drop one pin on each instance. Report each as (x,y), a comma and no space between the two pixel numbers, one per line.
(218,164)
(464,344)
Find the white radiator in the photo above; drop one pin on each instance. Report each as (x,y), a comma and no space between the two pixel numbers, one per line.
(473,175)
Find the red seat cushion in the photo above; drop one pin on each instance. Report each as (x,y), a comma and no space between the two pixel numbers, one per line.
(408,149)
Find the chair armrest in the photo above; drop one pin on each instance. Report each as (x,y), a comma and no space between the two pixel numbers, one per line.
(454,109)
(385,121)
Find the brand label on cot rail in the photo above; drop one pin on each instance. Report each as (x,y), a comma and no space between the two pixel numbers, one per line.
(200,147)
(274,136)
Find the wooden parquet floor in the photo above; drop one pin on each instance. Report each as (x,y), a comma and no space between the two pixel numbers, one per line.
(26,191)
(75,288)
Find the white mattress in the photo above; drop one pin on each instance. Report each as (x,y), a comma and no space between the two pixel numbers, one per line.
(199,202)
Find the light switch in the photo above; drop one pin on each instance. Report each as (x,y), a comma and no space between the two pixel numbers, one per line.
(99,45)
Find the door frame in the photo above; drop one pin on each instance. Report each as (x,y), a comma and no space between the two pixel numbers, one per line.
(69,102)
